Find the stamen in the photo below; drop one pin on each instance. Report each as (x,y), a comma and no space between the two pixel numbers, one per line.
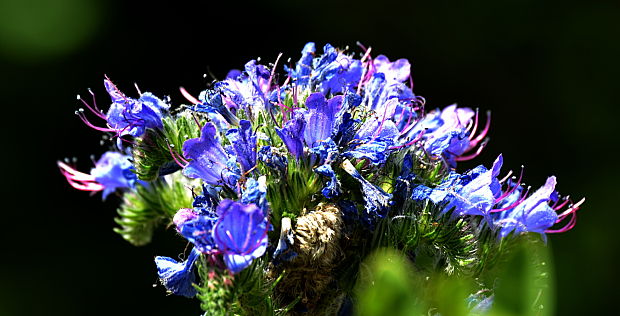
(415,140)
(474,155)
(571,223)
(484,132)
(172,153)
(517,184)
(82,116)
(189,97)
(273,71)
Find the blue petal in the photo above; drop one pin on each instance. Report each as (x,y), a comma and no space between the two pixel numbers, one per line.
(178,277)
(244,145)
(272,159)
(332,187)
(256,193)
(114,171)
(320,117)
(240,233)
(292,134)
(209,160)
(377,201)
(199,232)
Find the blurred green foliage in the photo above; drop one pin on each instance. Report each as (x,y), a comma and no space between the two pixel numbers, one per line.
(390,284)
(32,30)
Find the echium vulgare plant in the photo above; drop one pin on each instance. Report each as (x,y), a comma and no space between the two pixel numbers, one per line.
(284,182)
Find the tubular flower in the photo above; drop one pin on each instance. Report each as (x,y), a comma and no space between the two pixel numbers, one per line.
(240,233)
(112,171)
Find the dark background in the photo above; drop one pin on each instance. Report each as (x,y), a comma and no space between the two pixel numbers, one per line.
(548,71)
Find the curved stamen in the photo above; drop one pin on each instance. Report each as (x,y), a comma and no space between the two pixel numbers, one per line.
(82,116)
(571,223)
(518,182)
(415,140)
(484,132)
(189,97)
(474,155)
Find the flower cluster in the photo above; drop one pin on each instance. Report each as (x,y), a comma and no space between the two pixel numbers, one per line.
(302,170)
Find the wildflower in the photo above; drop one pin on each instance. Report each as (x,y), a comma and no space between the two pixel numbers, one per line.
(132,117)
(244,145)
(536,213)
(112,171)
(210,162)
(178,277)
(240,233)
(376,200)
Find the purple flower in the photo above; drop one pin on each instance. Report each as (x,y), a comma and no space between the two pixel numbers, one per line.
(114,170)
(332,187)
(320,118)
(398,71)
(240,233)
(244,145)
(178,277)
(334,71)
(196,225)
(292,133)
(478,196)
(532,215)
(132,117)
(303,68)
(209,160)
(376,200)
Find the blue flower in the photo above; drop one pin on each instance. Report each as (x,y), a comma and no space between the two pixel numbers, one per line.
(178,277)
(377,201)
(292,134)
(240,233)
(256,193)
(271,159)
(332,187)
(244,145)
(213,104)
(209,160)
(197,229)
(303,68)
(132,117)
(247,90)
(374,141)
(334,72)
(113,171)
(477,197)
(320,118)
(532,215)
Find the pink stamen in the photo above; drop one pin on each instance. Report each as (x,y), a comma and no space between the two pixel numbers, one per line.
(82,116)
(571,223)
(189,97)
(475,129)
(172,153)
(94,108)
(507,193)
(484,132)
(571,210)
(273,71)
(415,140)
(515,204)
(474,155)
